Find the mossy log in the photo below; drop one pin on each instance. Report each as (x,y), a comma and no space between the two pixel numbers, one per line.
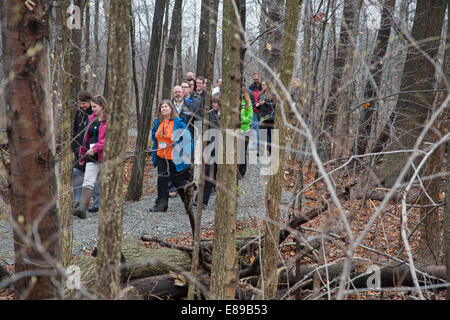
(139,262)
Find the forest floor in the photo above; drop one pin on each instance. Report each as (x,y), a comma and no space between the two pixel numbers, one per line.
(382,243)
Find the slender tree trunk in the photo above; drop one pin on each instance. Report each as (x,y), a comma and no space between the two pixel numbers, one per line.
(269,278)
(134,191)
(170,49)
(447,221)
(413,109)
(76,52)
(243,13)
(223,275)
(133,64)
(331,111)
(273,49)
(342,148)
(97,46)
(111,201)
(161,55)
(374,82)
(87,39)
(263,16)
(179,48)
(209,74)
(203,40)
(65,157)
(31,139)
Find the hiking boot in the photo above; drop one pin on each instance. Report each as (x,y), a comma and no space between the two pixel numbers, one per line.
(160,206)
(80,210)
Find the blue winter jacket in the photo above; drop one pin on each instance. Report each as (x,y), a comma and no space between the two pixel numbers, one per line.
(183,147)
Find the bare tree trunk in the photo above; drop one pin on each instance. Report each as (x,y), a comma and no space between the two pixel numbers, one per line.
(87,45)
(243,16)
(331,112)
(179,48)
(161,56)
(373,84)
(413,108)
(203,40)
(133,65)
(274,38)
(342,148)
(111,201)
(269,278)
(97,46)
(209,74)
(31,138)
(223,275)
(170,49)
(65,157)
(134,191)
(447,221)
(76,52)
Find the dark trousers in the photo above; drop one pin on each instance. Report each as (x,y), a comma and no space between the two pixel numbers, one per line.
(166,172)
(268,124)
(242,167)
(210,182)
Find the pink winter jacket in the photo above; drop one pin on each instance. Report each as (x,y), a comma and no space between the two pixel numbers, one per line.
(98,147)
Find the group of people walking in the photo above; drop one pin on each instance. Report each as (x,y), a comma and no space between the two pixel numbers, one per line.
(173,133)
(183,113)
(89,130)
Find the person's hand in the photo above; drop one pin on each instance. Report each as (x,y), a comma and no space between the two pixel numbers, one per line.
(90,152)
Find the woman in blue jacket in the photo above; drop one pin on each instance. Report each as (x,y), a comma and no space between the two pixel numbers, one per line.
(171,153)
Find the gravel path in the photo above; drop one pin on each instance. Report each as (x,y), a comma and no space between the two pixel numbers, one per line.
(138,220)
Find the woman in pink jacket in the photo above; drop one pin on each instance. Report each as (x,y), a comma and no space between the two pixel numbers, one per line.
(91,152)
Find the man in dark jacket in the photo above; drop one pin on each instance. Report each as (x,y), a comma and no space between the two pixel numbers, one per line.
(79,129)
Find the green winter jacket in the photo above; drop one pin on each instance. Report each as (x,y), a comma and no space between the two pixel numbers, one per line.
(246,116)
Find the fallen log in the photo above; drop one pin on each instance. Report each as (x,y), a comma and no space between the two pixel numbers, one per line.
(139,262)
(387,276)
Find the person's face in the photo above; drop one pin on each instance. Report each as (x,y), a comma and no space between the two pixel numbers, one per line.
(199,85)
(264,86)
(97,109)
(192,84)
(216,106)
(219,82)
(84,105)
(190,75)
(166,110)
(177,94)
(186,89)
(255,78)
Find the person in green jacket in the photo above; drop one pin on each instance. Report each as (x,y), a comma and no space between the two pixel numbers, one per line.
(246,123)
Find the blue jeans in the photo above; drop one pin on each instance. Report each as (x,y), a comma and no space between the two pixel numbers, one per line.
(255,127)
(77,181)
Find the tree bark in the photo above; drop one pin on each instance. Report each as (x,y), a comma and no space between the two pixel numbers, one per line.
(87,46)
(66,156)
(331,111)
(274,187)
(413,109)
(134,191)
(133,65)
(170,49)
(446,233)
(203,40)
(274,38)
(75,69)
(374,82)
(111,201)
(96,66)
(345,98)
(30,131)
(223,275)
(197,254)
